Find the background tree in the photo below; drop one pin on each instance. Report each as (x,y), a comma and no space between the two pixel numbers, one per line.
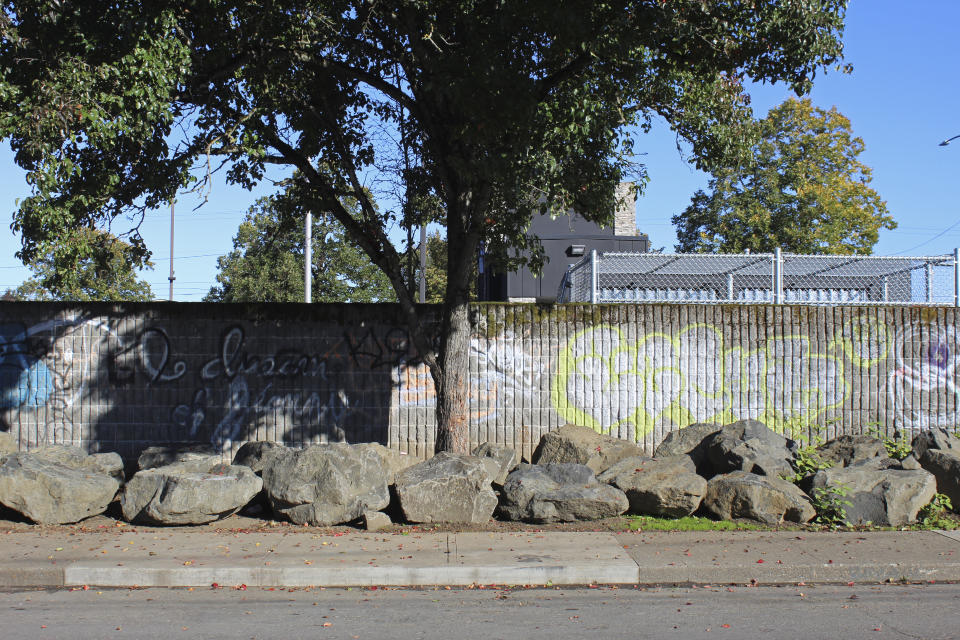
(804,190)
(106,274)
(266,264)
(512,109)
(436,271)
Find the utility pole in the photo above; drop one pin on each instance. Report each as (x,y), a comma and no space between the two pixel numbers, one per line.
(171,278)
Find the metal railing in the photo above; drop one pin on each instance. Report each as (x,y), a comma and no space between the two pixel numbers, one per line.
(763,278)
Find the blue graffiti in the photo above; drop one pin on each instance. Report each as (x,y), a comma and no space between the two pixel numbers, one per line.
(939,354)
(25,381)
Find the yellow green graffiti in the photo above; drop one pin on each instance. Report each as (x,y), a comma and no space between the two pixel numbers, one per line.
(624,385)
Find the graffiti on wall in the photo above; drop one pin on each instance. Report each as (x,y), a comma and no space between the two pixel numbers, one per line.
(504,376)
(922,386)
(76,377)
(626,386)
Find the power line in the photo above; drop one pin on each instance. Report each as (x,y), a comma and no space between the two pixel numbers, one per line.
(926,242)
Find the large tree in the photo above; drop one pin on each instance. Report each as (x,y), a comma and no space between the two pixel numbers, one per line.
(804,190)
(106,275)
(266,263)
(507,109)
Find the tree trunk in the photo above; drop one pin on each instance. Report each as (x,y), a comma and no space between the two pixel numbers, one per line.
(452,380)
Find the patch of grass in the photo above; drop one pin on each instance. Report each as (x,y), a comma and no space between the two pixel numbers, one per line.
(689,523)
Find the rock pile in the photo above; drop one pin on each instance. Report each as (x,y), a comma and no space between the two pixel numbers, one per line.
(738,470)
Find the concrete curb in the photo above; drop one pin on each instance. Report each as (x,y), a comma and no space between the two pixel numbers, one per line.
(624,573)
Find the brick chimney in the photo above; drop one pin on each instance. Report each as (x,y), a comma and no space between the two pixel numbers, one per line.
(625,217)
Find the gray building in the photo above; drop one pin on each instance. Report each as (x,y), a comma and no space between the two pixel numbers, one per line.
(565,239)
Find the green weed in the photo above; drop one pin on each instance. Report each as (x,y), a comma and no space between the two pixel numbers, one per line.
(897,447)
(936,515)
(831,505)
(807,462)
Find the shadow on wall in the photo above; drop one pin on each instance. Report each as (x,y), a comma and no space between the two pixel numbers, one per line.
(124,377)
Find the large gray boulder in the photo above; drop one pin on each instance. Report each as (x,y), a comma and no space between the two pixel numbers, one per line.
(558,492)
(327,484)
(691,440)
(583,445)
(938,451)
(448,487)
(259,454)
(937,438)
(392,460)
(55,491)
(163,455)
(847,450)
(883,496)
(8,444)
(109,463)
(500,460)
(667,487)
(750,446)
(763,498)
(188,492)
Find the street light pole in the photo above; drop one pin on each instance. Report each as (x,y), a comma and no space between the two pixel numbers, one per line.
(308,259)
(171,277)
(947,141)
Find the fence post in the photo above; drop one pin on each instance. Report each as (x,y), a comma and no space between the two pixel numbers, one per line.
(594,279)
(929,281)
(777,276)
(956,277)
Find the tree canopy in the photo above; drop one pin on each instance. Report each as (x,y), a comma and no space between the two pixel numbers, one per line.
(106,275)
(495,110)
(266,264)
(804,190)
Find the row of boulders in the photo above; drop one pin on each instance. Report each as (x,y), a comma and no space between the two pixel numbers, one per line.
(734,471)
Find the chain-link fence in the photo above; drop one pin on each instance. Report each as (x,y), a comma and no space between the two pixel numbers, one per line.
(771,278)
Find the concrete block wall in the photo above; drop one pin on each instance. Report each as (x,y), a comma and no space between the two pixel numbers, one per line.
(123,377)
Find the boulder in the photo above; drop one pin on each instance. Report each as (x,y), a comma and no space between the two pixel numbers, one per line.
(188,492)
(583,445)
(109,463)
(910,462)
(846,450)
(750,446)
(667,487)
(938,451)
(691,440)
(55,491)
(883,496)
(767,499)
(161,456)
(500,460)
(393,461)
(8,444)
(327,484)
(558,492)
(375,520)
(258,455)
(448,487)
(938,438)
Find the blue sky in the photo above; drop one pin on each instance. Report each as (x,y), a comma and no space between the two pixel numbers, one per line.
(902,99)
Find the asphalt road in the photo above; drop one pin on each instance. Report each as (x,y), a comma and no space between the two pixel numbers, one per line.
(858,611)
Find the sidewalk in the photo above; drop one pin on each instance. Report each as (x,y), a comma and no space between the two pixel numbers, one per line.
(181,557)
